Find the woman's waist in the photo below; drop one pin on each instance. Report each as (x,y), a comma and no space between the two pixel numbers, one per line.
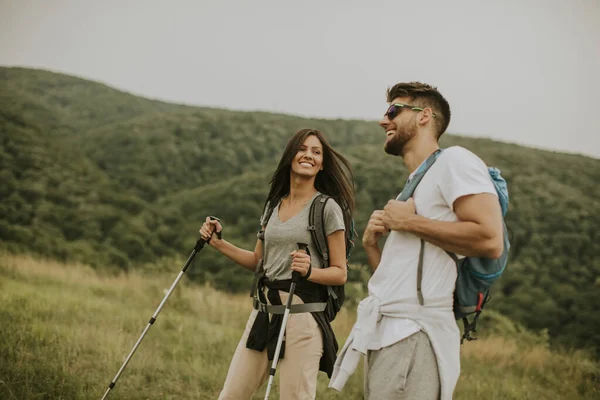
(308,292)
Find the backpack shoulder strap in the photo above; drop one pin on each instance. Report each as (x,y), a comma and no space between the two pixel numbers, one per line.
(407,193)
(264,220)
(316,226)
(259,271)
(267,214)
(412,183)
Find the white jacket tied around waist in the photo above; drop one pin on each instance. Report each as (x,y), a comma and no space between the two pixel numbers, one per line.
(435,318)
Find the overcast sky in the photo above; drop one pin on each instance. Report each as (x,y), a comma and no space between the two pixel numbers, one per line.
(518,71)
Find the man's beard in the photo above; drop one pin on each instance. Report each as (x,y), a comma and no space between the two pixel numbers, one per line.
(401,136)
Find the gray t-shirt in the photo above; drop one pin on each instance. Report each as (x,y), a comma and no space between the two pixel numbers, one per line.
(281,238)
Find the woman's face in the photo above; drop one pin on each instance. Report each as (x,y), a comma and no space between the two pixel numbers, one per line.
(309,159)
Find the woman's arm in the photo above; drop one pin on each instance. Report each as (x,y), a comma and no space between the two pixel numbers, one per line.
(336,273)
(245,258)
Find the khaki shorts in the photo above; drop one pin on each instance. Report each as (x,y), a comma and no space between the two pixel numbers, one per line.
(405,370)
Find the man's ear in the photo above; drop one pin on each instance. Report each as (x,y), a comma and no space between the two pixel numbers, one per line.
(425,116)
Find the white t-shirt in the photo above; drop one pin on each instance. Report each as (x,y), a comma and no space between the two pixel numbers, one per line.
(457,172)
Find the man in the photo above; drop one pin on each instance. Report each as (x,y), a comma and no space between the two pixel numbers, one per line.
(410,337)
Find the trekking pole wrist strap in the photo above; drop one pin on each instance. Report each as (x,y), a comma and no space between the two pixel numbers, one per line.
(305,277)
(219,235)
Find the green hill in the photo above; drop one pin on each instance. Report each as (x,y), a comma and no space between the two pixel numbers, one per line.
(92,174)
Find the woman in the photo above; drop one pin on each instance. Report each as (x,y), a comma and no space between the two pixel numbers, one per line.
(309,166)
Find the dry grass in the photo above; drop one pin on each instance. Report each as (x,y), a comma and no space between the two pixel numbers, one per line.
(66,329)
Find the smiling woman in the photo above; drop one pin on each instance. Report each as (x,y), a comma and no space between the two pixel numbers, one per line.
(309,159)
(308,167)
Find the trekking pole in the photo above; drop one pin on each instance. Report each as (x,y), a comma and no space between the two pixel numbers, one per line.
(199,245)
(286,314)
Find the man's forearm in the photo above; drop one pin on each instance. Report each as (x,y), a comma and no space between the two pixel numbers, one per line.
(373,255)
(461,237)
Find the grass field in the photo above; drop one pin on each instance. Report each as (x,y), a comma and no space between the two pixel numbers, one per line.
(65,330)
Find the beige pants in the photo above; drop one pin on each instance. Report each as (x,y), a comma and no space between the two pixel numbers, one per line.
(297,371)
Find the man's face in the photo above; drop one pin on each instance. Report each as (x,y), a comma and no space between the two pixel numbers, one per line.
(399,130)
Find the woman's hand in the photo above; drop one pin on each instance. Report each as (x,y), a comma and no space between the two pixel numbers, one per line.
(300,262)
(209,227)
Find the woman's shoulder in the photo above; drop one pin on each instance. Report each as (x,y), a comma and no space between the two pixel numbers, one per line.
(268,212)
(332,206)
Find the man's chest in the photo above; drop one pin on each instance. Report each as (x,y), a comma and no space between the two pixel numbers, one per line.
(429,199)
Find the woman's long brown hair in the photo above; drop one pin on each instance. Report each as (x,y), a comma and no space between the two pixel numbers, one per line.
(335,180)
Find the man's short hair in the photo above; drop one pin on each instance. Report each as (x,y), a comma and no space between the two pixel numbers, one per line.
(424,95)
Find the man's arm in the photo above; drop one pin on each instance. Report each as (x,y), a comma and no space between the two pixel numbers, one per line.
(477,233)
(374,230)
(373,255)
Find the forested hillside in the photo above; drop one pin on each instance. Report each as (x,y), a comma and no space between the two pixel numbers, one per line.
(92,174)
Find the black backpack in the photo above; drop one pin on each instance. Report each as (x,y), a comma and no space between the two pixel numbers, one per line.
(316,226)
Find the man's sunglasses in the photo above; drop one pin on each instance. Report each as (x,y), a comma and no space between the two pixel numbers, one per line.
(394,109)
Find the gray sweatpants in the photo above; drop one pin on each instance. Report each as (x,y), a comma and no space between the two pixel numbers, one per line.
(405,370)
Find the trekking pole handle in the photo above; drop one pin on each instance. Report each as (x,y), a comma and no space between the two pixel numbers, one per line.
(219,234)
(201,242)
(302,247)
(296,277)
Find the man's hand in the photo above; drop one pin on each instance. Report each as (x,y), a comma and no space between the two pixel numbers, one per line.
(375,228)
(397,213)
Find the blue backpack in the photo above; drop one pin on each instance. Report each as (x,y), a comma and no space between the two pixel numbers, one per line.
(475,274)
